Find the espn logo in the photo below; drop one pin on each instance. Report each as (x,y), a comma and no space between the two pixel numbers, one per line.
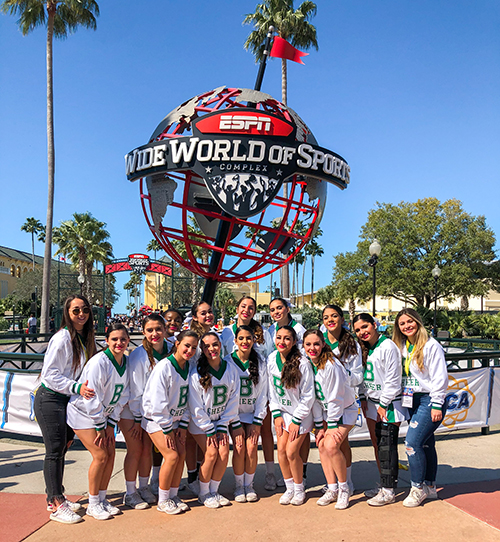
(245,122)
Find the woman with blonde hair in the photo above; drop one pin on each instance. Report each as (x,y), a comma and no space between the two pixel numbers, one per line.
(425,381)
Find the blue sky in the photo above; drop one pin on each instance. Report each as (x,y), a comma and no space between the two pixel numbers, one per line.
(406,91)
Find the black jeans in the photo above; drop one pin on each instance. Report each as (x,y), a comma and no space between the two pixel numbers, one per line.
(50,412)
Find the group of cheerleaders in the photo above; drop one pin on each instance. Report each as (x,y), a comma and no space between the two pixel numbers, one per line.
(189,389)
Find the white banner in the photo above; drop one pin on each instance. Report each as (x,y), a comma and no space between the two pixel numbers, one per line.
(467,403)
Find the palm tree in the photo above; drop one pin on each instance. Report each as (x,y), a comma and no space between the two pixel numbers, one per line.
(314,249)
(85,241)
(33,226)
(292,25)
(60,17)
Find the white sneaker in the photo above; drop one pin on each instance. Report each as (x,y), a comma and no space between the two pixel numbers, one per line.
(134,501)
(416,497)
(369,493)
(251,494)
(194,487)
(382,498)
(169,507)
(209,500)
(146,495)
(222,500)
(154,486)
(110,509)
(64,514)
(270,482)
(299,497)
(73,506)
(97,511)
(280,482)
(239,494)
(431,492)
(329,497)
(342,499)
(287,497)
(180,503)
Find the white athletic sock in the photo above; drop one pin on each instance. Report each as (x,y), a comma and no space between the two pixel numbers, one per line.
(298,487)
(269,467)
(349,479)
(173,492)
(155,475)
(93,499)
(344,486)
(143,481)
(163,494)
(204,488)
(289,483)
(102,494)
(248,478)
(130,487)
(214,486)
(239,479)
(333,487)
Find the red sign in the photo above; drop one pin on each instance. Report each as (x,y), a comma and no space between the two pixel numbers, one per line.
(240,121)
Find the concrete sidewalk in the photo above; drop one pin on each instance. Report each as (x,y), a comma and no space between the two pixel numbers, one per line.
(469,471)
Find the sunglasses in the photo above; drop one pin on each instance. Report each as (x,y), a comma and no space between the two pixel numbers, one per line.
(77,310)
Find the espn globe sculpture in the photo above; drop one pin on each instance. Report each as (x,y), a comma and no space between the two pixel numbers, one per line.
(233,184)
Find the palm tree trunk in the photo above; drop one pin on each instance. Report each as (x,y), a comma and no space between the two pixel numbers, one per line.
(33,248)
(88,282)
(293,284)
(312,281)
(352,309)
(283,81)
(303,279)
(47,259)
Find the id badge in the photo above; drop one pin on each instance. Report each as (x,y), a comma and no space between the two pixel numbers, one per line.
(407,401)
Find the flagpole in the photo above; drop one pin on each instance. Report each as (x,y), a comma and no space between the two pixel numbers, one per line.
(262,68)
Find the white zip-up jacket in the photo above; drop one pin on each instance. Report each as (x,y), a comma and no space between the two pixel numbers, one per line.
(434,378)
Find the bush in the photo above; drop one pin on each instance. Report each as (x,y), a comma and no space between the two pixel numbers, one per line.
(4,324)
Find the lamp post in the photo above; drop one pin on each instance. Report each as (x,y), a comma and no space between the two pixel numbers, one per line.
(375,249)
(435,273)
(81,280)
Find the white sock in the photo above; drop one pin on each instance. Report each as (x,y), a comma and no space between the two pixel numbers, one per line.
(173,492)
(388,490)
(344,486)
(248,479)
(93,499)
(143,481)
(102,494)
(204,488)
(298,487)
(239,479)
(214,486)
(333,487)
(269,467)
(163,494)
(289,483)
(349,479)
(130,487)
(155,476)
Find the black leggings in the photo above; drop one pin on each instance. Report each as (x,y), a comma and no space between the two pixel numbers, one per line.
(50,412)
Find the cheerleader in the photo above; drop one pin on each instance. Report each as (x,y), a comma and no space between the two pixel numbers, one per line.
(94,419)
(213,404)
(166,417)
(66,355)
(291,396)
(245,311)
(380,395)
(252,410)
(348,352)
(280,313)
(139,457)
(425,381)
(335,411)
(173,324)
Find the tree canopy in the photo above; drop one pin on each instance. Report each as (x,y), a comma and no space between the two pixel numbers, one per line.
(416,236)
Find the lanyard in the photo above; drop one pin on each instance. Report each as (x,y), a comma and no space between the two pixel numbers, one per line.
(84,349)
(409,355)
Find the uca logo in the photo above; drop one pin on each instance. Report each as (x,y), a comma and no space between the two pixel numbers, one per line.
(460,399)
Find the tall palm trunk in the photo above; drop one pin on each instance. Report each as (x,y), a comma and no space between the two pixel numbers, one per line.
(47,259)
(303,278)
(88,282)
(312,281)
(33,248)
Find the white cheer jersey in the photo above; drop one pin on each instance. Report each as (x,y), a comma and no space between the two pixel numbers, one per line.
(298,401)
(383,374)
(298,328)
(353,365)
(434,378)
(214,409)
(110,382)
(165,399)
(253,398)
(228,345)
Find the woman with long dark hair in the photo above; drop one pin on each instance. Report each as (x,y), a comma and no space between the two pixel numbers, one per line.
(67,352)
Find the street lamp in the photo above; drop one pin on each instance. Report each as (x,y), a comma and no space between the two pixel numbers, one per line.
(435,273)
(81,280)
(375,249)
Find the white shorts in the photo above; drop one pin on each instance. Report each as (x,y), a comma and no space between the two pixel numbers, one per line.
(306,424)
(126,413)
(350,414)
(152,427)
(77,419)
(395,413)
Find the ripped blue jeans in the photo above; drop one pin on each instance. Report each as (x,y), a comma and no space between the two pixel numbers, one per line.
(420,443)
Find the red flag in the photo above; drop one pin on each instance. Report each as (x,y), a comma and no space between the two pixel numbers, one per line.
(282,49)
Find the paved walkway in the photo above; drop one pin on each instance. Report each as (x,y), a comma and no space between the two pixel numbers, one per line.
(468,509)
